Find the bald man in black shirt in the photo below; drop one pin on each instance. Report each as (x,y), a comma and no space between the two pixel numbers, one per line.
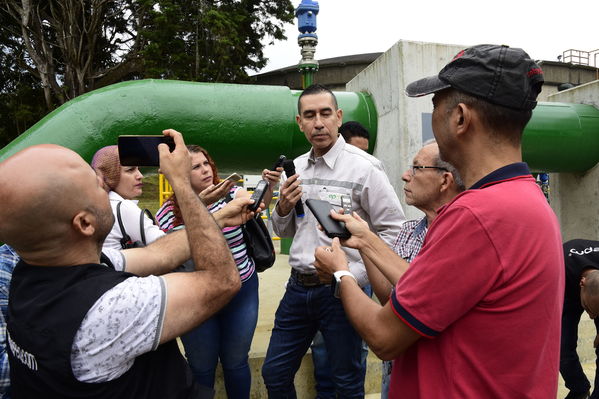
(581,294)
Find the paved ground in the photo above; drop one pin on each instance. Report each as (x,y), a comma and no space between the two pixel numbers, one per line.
(589,369)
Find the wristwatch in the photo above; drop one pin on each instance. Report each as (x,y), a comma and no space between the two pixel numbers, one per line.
(335,284)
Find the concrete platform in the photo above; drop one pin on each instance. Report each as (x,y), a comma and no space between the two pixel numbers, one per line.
(272,287)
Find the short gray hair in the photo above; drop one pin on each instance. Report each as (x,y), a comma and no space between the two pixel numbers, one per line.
(438,162)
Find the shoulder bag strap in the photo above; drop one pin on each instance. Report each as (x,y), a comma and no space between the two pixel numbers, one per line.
(142,230)
(126,237)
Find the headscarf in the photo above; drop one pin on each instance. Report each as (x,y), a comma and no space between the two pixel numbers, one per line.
(107,165)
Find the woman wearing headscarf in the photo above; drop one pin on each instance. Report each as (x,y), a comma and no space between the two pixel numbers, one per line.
(124,184)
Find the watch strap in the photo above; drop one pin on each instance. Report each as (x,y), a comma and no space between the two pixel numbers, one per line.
(335,286)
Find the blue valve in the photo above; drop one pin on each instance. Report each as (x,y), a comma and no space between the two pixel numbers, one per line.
(543,182)
(306,14)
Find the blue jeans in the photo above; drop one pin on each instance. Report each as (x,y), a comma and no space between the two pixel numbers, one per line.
(386,367)
(302,312)
(569,365)
(325,389)
(226,335)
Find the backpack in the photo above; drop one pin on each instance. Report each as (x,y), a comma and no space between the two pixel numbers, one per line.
(258,242)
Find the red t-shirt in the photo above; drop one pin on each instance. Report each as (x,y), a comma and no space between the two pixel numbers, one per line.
(486,293)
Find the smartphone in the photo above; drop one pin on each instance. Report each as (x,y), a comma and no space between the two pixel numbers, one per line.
(322,210)
(279,162)
(258,194)
(142,150)
(234,177)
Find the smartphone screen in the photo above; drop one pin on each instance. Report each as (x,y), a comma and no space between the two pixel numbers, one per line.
(258,195)
(142,150)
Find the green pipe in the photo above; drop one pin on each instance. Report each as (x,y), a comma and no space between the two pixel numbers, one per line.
(244,127)
(307,71)
(562,137)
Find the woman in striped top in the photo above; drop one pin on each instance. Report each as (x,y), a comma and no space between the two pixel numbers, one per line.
(228,334)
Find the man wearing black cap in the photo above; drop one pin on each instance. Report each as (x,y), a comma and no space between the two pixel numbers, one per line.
(477,312)
(581,294)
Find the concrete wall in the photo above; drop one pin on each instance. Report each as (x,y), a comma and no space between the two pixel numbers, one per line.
(400,117)
(332,72)
(556,73)
(575,197)
(402,120)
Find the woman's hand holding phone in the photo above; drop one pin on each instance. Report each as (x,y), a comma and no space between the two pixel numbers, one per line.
(213,193)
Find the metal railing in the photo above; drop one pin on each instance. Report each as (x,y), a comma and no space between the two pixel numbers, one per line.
(581,57)
(578,57)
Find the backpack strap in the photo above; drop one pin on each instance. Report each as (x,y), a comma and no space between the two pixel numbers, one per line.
(142,230)
(106,260)
(126,237)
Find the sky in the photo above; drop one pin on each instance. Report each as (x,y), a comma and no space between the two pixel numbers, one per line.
(544,29)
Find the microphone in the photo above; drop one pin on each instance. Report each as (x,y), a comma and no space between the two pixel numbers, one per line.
(279,162)
(289,168)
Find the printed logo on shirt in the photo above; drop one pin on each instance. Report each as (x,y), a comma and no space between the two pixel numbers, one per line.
(25,357)
(336,199)
(584,251)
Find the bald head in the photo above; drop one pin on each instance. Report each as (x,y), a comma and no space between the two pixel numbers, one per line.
(47,187)
(589,292)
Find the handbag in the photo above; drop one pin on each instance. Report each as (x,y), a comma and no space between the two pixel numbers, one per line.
(258,242)
(126,241)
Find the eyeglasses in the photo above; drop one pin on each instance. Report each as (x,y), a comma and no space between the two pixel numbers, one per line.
(414,168)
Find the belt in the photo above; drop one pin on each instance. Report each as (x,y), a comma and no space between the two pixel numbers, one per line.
(306,279)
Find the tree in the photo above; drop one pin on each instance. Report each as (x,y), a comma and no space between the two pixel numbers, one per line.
(69,45)
(58,49)
(214,41)
(21,95)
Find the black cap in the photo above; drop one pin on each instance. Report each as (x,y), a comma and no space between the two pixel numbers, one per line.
(498,74)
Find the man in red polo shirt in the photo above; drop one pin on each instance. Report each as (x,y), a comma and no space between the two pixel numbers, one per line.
(477,313)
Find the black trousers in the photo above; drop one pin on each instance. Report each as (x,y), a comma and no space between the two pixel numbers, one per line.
(569,366)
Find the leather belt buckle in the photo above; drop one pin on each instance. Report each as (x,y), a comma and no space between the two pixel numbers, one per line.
(306,279)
